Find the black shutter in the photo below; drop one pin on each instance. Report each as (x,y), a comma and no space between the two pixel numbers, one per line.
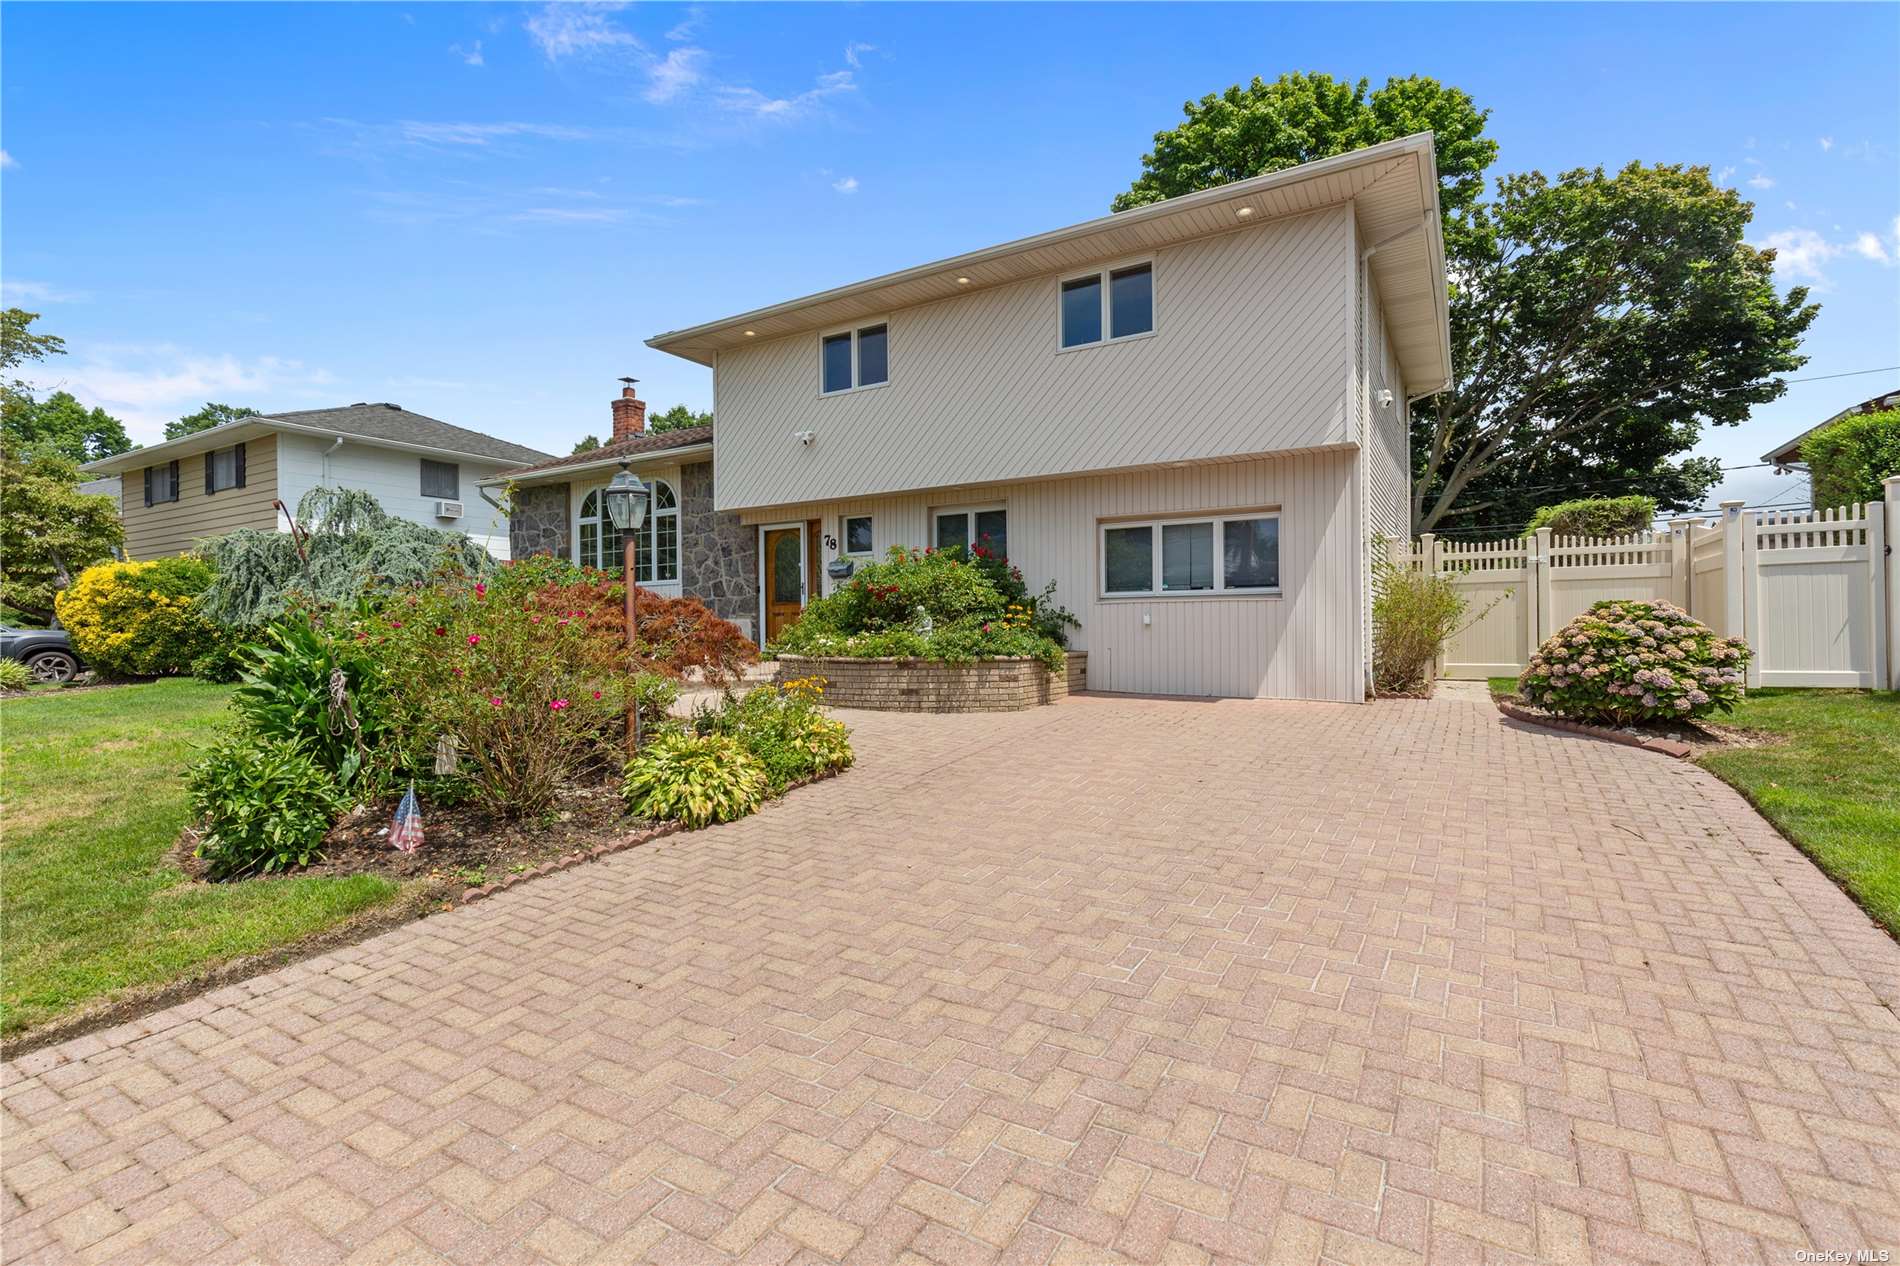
(210,464)
(148,485)
(239,462)
(174,482)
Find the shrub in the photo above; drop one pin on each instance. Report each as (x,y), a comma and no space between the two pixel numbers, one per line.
(695,779)
(1413,615)
(226,659)
(1848,459)
(1635,661)
(265,805)
(1595,516)
(529,693)
(784,729)
(14,675)
(673,636)
(139,619)
(287,694)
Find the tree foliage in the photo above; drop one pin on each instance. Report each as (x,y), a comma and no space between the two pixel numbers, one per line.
(678,418)
(352,545)
(58,425)
(49,531)
(206,418)
(587,445)
(1848,459)
(1598,321)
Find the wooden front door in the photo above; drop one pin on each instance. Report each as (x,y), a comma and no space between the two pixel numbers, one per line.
(784,578)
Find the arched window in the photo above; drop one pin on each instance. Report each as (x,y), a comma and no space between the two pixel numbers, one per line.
(656,552)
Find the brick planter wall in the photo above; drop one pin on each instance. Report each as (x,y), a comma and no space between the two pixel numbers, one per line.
(920,685)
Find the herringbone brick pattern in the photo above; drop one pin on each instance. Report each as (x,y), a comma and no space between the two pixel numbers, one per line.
(1119,980)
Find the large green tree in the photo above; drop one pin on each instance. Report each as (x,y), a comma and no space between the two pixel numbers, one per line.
(49,530)
(678,418)
(206,418)
(61,425)
(1598,322)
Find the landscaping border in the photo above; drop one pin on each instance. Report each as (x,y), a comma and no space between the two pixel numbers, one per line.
(1665,747)
(997,683)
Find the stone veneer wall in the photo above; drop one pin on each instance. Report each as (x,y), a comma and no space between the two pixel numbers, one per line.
(720,563)
(539,522)
(921,685)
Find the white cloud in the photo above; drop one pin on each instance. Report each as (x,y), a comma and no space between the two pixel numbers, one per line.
(755,104)
(1761,180)
(472,55)
(14,290)
(1871,247)
(1803,254)
(424,133)
(678,71)
(851,52)
(150,385)
(564,30)
(570,215)
(848,184)
(1827,143)
(689,25)
(7,161)
(1725,175)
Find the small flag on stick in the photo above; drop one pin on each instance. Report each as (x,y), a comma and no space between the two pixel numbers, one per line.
(405,831)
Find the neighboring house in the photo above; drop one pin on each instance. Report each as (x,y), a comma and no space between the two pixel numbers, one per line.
(1787,457)
(106,487)
(683,547)
(214,481)
(1191,416)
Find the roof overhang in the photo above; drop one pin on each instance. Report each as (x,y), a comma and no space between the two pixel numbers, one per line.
(558,474)
(252,428)
(1396,183)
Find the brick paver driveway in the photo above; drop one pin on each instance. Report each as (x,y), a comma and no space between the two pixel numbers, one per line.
(1120,979)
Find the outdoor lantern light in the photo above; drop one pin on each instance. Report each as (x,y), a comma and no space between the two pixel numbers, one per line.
(626,499)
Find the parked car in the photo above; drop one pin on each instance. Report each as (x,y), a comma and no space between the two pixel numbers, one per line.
(48,652)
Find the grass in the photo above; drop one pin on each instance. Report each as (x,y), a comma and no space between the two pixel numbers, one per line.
(1832,786)
(93,790)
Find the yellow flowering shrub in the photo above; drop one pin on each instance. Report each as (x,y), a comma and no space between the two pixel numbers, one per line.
(139,619)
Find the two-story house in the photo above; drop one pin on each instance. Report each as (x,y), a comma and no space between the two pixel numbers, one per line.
(1192,416)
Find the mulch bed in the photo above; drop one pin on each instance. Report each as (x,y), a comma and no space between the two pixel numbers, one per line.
(1679,739)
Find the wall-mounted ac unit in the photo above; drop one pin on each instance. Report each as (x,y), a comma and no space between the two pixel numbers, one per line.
(448,509)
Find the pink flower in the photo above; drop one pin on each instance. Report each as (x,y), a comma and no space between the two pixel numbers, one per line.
(597,694)
(561,624)
(474,639)
(456,671)
(395,624)
(496,700)
(440,631)
(534,619)
(481,590)
(555,705)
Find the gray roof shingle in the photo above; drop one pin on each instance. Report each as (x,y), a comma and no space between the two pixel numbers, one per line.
(392,422)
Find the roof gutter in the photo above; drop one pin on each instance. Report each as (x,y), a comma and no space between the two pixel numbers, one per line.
(134,458)
(638,459)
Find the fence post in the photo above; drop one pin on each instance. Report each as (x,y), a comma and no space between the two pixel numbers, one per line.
(1681,560)
(1732,569)
(1889,566)
(1542,611)
(1428,565)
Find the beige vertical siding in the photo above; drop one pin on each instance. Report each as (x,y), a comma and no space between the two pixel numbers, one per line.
(1388,458)
(171,526)
(1251,354)
(1305,643)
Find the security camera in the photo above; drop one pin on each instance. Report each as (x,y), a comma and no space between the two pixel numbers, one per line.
(1385,398)
(805,437)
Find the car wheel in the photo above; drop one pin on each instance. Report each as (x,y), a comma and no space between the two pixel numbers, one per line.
(53,666)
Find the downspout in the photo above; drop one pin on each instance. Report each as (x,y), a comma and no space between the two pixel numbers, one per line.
(325,459)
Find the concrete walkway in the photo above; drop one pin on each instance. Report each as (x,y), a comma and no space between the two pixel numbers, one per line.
(1121,979)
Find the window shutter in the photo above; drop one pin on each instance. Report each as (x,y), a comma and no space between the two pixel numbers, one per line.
(209,464)
(173,488)
(148,485)
(240,465)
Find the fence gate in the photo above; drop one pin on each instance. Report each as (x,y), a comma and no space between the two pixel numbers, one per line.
(1811,601)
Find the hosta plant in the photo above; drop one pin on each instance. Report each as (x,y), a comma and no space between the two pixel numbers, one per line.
(694,779)
(784,729)
(1625,661)
(14,675)
(265,805)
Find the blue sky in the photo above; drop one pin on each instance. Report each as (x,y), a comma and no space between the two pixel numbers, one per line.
(481,211)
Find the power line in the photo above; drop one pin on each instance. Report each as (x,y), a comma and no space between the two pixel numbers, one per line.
(1852,373)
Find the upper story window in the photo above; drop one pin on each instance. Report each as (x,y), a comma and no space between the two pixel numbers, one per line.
(1118,301)
(441,479)
(855,358)
(161,483)
(224,468)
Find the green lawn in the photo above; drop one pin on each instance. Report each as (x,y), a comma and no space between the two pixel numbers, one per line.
(1831,782)
(92,785)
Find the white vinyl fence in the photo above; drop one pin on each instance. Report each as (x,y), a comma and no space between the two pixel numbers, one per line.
(1816,594)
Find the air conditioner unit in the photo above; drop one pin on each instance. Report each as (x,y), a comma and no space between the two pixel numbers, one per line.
(448,509)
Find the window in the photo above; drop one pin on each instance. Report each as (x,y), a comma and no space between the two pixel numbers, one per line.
(986,528)
(1237,554)
(1120,300)
(857,534)
(224,468)
(855,358)
(656,550)
(441,479)
(161,483)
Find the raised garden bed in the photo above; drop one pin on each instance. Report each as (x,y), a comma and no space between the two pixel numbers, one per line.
(1001,684)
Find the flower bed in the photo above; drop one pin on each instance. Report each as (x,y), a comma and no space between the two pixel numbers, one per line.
(891,684)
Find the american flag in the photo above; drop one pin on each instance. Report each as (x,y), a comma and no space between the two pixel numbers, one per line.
(405,830)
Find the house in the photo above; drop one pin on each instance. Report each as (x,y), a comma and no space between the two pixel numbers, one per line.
(1787,457)
(1190,416)
(684,547)
(213,481)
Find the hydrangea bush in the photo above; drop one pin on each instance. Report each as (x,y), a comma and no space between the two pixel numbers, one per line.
(1625,661)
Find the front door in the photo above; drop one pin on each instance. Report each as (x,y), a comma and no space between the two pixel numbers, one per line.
(784,578)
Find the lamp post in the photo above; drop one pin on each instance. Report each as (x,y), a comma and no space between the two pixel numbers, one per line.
(626,499)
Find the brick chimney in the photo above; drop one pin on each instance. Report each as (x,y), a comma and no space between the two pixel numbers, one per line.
(630,413)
